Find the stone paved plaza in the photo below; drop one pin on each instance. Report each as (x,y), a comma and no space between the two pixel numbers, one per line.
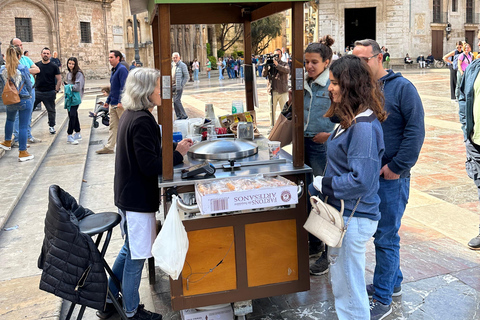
(442,276)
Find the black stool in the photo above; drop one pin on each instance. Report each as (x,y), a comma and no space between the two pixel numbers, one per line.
(97,224)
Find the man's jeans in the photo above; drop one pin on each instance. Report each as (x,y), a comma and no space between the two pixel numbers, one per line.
(347,270)
(393,200)
(48,99)
(129,272)
(24,109)
(177,105)
(29,129)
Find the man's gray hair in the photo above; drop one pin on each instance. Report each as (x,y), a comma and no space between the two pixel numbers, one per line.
(176,54)
(139,86)
(369,43)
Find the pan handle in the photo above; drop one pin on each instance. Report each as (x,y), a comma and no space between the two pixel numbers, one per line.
(186,208)
(300,188)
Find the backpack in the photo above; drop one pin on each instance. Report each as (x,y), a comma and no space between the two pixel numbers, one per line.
(10,93)
(455,61)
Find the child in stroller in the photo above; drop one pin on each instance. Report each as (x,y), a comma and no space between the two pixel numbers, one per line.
(100,112)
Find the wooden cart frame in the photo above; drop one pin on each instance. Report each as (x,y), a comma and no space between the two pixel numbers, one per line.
(162,15)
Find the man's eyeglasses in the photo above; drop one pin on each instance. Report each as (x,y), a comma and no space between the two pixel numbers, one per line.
(366,59)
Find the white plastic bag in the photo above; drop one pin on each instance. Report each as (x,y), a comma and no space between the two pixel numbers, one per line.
(171,245)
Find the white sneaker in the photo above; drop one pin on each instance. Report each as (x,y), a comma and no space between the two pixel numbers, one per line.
(77,136)
(52,130)
(34,140)
(71,140)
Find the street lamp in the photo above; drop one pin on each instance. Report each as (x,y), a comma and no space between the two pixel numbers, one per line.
(135,36)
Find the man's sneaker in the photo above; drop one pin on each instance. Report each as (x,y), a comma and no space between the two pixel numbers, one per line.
(71,140)
(24,156)
(16,144)
(397,291)
(77,136)
(474,244)
(320,266)
(34,140)
(104,150)
(379,311)
(6,145)
(52,130)
(143,314)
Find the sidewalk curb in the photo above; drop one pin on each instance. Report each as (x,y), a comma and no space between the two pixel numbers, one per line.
(38,162)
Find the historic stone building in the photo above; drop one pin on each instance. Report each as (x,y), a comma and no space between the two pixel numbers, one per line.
(403,26)
(84,29)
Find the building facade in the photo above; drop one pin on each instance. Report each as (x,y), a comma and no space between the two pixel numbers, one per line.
(84,29)
(403,26)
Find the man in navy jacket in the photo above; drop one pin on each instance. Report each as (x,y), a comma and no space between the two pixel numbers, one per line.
(117,81)
(404,132)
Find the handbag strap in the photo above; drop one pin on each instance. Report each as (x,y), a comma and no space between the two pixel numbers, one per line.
(351,215)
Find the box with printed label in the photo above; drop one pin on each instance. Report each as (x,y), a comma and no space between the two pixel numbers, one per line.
(225,313)
(226,195)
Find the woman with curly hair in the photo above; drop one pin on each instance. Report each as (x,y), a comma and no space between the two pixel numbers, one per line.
(354,155)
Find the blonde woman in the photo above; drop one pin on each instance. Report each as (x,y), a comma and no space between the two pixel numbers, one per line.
(20,76)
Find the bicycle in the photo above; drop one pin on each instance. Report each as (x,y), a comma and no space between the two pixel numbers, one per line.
(439,63)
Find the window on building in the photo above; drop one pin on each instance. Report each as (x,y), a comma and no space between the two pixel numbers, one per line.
(437,11)
(454,5)
(23,29)
(85,32)
(469,17)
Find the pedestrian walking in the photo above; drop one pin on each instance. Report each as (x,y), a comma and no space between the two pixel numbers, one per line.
(113,102)
(451,59)
(196,69)
(354,155)
(404,132)
(47,85)
(75,86)
(220,68)
(138,163)
(179,78)
(19,75)
(33,69)
(464,60)
(209,68)
(386,59)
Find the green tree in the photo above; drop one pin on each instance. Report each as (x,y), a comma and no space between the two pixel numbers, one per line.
(265,30)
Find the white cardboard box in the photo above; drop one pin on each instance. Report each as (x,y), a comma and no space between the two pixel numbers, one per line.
(225,313)
(248,199)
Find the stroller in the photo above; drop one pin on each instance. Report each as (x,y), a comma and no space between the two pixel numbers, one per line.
(100,112)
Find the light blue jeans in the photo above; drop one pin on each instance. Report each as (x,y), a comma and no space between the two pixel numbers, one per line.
(129,272)
(347,270)
(195,75)
(24,110)
(29,128)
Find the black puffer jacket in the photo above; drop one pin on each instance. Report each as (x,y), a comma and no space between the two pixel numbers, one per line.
(71,263)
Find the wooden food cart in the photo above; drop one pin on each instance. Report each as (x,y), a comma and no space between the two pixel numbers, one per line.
(253,254)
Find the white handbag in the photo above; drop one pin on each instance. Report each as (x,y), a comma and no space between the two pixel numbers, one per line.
(326,223)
